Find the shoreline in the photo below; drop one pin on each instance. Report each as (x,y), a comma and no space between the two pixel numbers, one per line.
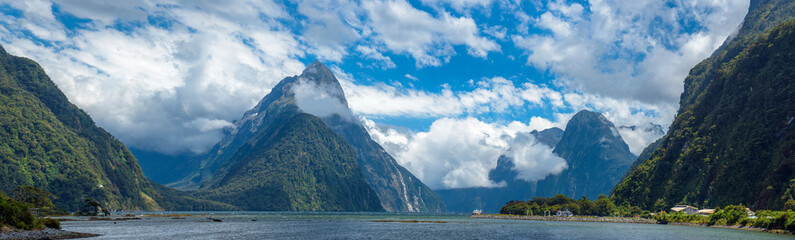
(621,220)
(568,219)
(48,233)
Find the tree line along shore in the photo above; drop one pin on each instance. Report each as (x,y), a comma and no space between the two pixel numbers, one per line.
(562,208)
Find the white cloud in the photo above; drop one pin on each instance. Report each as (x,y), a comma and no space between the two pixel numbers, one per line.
(164,90)
(379,59)
(321,100)
(458,153)
(405,29)
(495,94)
(329,29)
(554,24)
(459,5)
(409,76)
(533,161)
(596,52)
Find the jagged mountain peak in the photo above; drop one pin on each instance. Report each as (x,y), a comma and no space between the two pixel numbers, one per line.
(318,92)
(594,124)
(549,136)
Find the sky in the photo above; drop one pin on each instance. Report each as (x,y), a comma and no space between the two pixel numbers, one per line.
(446,86)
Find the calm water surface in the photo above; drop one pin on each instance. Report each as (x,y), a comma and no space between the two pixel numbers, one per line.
(275,225)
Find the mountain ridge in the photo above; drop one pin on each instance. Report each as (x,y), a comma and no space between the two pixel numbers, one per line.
(731,142)
(316,91)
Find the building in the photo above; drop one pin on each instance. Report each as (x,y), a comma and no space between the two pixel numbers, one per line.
(751,214)
(687,209)
(564,213)
(706,212)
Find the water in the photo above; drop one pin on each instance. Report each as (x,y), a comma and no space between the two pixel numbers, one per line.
(280,225)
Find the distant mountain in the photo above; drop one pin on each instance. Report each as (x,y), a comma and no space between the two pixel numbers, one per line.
(49,143)
(163,168)
(596,154)
(732,140)
(397,189)
(299,165)
(650,127)
(489,200)
(549,137)
(593,149)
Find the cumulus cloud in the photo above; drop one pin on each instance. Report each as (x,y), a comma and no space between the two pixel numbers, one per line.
(169,89)
(597,52)
(459,5)
(533,160)
(379,60)
(459,153)
(321,100)
(429,40)
(495,94)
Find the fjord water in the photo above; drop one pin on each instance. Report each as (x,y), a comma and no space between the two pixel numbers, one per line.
(283,225)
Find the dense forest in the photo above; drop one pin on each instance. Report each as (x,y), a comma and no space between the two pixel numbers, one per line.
(49,143)
(733,141)
(298,165)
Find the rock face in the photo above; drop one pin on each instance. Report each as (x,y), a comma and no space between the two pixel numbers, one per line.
(596,154)
(49,143)
(593,149)
(732,140)
(299,165)
(316,91)
(549,137)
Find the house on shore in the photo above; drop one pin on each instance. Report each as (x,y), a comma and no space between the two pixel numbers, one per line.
(564,213)
(687,209)
(706,212)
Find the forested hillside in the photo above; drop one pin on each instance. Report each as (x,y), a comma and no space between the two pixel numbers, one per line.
(733,141)
(49,143)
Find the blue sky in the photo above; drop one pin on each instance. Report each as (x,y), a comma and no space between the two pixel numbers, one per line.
(168,76)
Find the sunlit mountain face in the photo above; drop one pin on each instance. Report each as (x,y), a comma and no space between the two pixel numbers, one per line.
(445,87)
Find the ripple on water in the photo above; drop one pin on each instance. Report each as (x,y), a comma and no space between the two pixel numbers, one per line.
(252,225)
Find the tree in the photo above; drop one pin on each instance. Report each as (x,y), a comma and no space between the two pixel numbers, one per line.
(91,208)
(790,204)
(660,205)
(34,197)
(604,207)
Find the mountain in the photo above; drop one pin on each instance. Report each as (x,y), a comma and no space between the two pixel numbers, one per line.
(317,92)
(549,137)
(596,154)
(49,143)
(733,139)
(163,168)
(299,165)
(644,156)
(489,200)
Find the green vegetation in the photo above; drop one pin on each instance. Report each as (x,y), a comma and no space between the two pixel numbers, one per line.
(299,165)
(596,157)
(603,206)
(220,179)
(49,143)
(732,141)
(736,215)
(17,215)
(732,215)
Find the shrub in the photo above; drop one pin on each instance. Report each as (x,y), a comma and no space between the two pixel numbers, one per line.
(16,214)
(51,223)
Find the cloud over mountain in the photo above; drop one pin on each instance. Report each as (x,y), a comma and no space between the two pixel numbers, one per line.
(169,76)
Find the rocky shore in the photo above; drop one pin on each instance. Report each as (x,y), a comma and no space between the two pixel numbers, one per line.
(570,219)
(43,234)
